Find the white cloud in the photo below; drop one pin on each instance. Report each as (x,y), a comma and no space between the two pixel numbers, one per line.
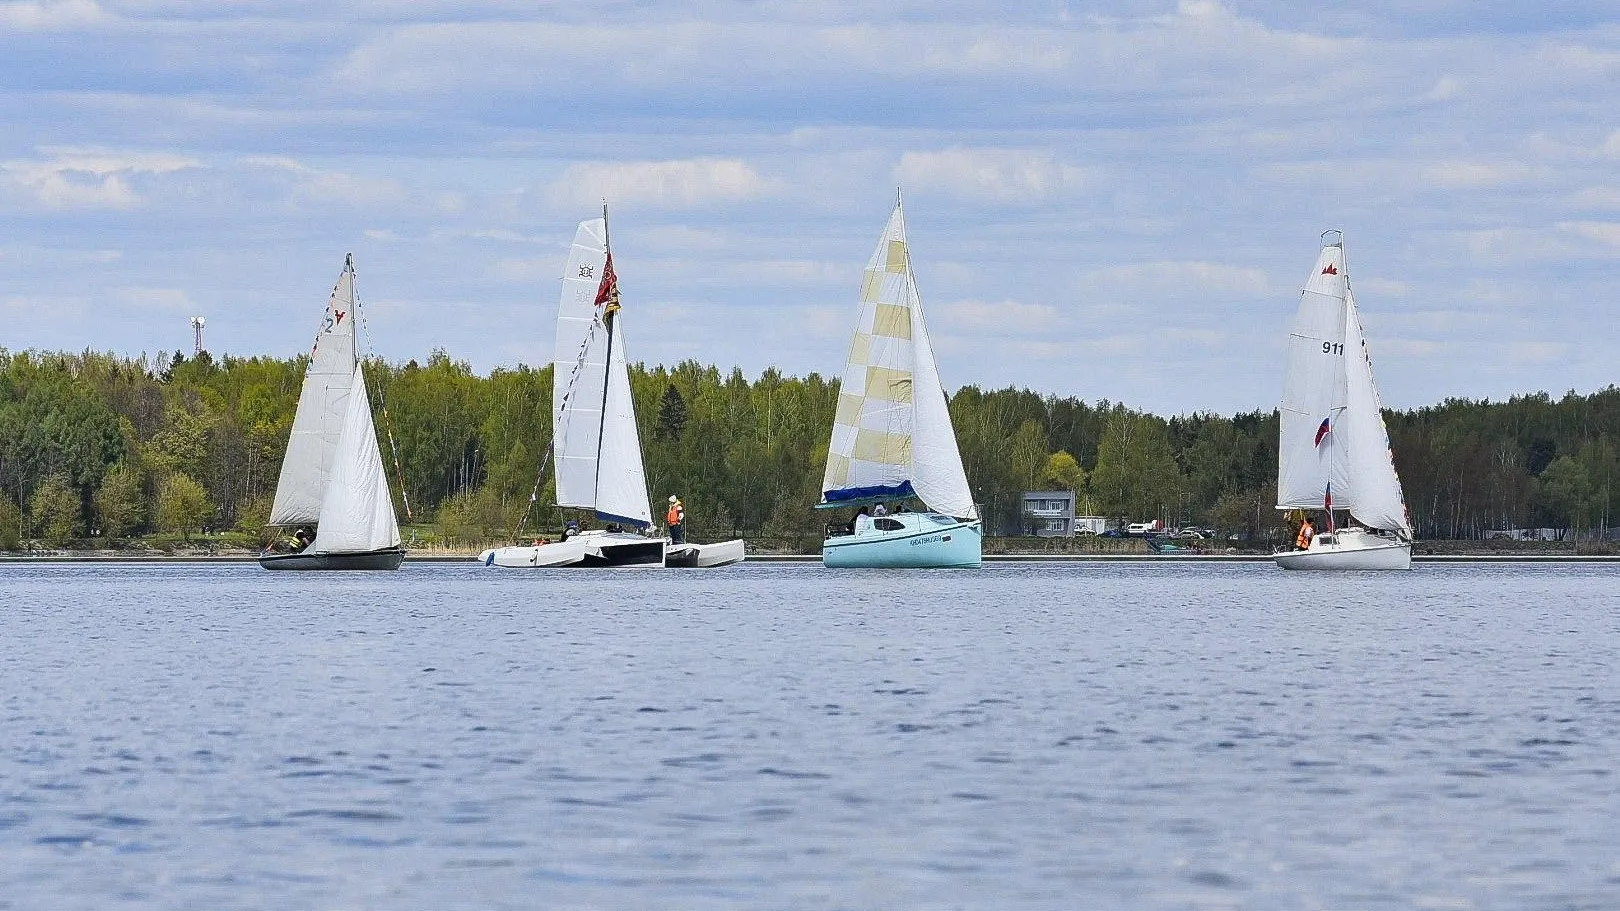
(69,178)
(1177,279)
(328,187)
(692,183)
(165,299)
(1005,316)
(50,15)
(1470,174)
(1001,176)
(1606,232)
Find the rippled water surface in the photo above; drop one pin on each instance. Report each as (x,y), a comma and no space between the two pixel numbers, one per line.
(785,736)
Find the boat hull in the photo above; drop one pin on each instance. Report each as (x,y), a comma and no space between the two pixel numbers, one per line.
(594,549)
(1349,550)
(387,558)
(705,556)
(925,541)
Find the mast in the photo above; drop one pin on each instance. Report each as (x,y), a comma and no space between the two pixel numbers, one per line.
(607,359)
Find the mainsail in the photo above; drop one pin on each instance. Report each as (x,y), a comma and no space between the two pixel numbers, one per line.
(321,407)
(357,513)
(1332,435)
(595,444)
(892,434)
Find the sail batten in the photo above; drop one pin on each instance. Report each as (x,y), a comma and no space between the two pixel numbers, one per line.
(892,435)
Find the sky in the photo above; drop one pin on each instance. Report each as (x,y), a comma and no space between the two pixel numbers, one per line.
(1112,200)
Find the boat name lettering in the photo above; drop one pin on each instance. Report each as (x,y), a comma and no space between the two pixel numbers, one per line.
(929,540)
(1332,348)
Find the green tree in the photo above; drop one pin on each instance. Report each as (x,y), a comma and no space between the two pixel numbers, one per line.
(671,416)
(10,524)
(183,505)
(1136,474)
(1062,472)
(120,501)
(55,510)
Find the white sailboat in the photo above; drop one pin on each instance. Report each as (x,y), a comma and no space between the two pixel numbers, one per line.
(332,476)
(1333,448)
(595,445)
(892,437)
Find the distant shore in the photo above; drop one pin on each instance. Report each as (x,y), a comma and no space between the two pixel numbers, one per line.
(1480,556)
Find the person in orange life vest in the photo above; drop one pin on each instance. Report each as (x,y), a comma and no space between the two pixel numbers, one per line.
(1307,531)
(676,519)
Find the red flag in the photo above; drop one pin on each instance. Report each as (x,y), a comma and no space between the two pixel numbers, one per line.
(1322,431)
(1327,505)
(608,291)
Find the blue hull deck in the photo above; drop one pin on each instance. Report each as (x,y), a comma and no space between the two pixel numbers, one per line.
(908,541)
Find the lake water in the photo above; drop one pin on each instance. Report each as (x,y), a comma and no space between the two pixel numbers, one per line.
(1078,735)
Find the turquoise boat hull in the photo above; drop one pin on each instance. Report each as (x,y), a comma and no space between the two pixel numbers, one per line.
(921,541)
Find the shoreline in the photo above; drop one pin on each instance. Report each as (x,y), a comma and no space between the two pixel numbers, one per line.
(470,559)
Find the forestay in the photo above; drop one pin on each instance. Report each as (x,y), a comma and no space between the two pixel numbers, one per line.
(892,434)
(321,406)
(357,513)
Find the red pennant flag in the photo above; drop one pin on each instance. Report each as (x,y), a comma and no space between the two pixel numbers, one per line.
(1322,431)
(608,291)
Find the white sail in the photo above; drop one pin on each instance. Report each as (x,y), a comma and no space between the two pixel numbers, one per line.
(892,434)
(321,406)
(357,513)
(1314,391)
(595,444)
(1376,499)
(936,462)
(579,368)
(621,481)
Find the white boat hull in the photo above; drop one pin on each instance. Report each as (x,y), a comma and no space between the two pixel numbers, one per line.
(1349,549)
(917,541)
(592,548)
(705,556)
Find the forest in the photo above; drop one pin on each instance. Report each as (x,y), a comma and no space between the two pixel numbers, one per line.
(99,448)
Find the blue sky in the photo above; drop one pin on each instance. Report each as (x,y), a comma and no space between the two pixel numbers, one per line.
(1110,200)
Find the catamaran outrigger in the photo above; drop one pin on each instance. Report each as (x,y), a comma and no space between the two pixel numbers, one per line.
(595,446)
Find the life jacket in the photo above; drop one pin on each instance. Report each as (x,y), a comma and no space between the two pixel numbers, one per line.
(677,513)
(1306,532)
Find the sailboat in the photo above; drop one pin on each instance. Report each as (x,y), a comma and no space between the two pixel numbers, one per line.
(892,437)
(596,448)
(1333,448)
(332,476)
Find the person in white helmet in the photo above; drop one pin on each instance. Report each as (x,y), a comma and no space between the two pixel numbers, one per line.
(676,519)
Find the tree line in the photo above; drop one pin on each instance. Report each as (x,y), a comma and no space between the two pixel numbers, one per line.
(97,447)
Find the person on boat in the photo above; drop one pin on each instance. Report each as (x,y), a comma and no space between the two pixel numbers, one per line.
(304,539)
(1307,531)
(863,521)
(570,530)
(676,519)
(879,510)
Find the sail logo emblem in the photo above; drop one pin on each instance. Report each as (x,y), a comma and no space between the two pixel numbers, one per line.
(587,271)
(1330,269)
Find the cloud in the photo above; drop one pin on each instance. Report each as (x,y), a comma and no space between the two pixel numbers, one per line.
(50,15)
(1005,316)
(692,183)
(71,178)
(172,300)
(1001,176)
(327,187)
(1177,278)
(1472,174)
(1605,232)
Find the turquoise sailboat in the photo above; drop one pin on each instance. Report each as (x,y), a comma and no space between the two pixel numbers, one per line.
(892,438)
